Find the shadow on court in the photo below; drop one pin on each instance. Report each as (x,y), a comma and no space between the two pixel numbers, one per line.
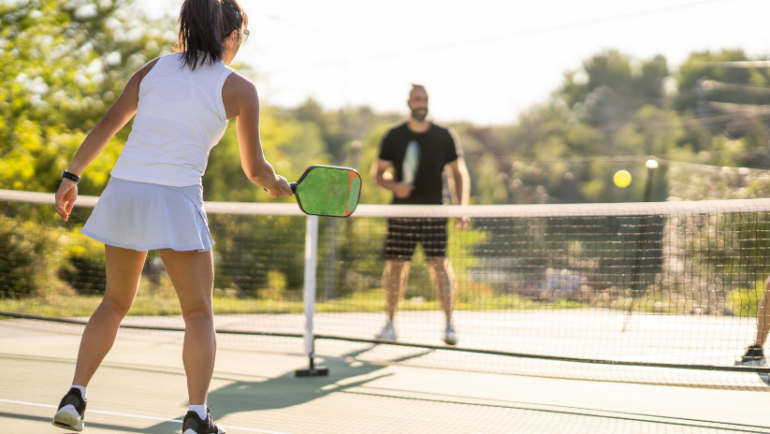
(399,406)
(288,390)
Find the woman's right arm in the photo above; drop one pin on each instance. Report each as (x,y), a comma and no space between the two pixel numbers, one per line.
(241,101)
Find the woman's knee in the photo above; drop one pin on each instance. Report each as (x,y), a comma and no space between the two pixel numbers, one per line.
(198,313)
(116,307)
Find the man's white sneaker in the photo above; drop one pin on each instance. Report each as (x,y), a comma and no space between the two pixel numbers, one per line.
(388,333)
(450,336)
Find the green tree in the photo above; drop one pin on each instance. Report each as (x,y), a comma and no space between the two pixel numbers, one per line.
(702,80)
(63,63)
(652,131)
(613,87)
(339,128)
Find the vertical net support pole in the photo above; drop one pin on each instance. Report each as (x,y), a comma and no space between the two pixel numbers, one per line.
(637,286)
(311,257)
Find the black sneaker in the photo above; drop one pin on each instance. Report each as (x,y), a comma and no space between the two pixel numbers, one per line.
(754,357)
(71,411)
(194,425)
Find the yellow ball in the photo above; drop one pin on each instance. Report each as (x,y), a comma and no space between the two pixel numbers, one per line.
(622,178)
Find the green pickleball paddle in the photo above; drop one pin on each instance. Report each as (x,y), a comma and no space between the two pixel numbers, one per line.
(328,191)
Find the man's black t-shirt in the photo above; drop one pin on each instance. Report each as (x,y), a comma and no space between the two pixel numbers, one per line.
(437,149)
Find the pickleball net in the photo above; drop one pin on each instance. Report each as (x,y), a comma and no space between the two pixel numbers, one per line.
(660,293)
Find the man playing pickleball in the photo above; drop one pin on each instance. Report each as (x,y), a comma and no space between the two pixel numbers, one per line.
(413,157)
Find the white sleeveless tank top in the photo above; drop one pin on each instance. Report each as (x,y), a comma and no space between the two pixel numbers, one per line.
(179,119)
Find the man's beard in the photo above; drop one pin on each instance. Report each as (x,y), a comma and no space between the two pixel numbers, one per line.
(419,114)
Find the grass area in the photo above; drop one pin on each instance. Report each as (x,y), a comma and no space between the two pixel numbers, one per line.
(370,301)
(163,302)
(144,305)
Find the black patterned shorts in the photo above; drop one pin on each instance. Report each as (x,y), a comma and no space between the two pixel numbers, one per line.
(405,233)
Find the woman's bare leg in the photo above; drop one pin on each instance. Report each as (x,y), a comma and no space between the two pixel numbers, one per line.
(124,268)
(192,274)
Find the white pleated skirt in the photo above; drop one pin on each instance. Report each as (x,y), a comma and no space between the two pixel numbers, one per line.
(142,216)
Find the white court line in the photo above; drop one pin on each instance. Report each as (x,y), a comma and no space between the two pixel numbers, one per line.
(135,416)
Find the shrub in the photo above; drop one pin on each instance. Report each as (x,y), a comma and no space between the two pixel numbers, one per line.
(745,301)
(27,249)
(83,265)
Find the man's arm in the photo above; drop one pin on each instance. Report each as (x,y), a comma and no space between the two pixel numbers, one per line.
(459,181)
(401,190)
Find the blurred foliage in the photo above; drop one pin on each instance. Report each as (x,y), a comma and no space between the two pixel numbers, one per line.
(63,62)
(745,301)
(82,267)
(250,249)
(24,258)
(612,114)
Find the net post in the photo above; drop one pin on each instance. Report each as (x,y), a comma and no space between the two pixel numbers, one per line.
(311,256)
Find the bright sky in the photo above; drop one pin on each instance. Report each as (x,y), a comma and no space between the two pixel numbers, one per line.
(483,61)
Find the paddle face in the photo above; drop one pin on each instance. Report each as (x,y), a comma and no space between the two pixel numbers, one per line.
(328,191)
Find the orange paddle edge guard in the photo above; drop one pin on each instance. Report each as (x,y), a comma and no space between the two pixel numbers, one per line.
(352,176)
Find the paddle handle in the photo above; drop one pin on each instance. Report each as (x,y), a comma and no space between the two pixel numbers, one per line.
(293,186)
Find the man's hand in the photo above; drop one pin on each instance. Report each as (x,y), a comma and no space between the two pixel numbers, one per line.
(462,223)
(385,180)
(65,198)
(281,188)
(402,190)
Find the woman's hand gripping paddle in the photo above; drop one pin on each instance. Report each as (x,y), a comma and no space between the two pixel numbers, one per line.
(328,191)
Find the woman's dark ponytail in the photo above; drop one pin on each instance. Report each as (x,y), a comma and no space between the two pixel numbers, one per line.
(204,25)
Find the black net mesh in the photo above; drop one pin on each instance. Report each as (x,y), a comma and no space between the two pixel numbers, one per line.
(667,295)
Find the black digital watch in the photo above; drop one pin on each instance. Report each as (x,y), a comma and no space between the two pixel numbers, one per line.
(70,176)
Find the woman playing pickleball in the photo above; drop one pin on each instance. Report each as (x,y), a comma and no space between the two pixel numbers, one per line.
(154,200)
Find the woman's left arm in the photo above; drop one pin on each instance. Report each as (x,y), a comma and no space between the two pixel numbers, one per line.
(116,118)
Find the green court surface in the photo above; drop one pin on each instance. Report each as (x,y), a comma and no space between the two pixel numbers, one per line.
(141,389)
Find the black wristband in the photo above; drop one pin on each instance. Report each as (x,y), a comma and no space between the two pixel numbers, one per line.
(70,176)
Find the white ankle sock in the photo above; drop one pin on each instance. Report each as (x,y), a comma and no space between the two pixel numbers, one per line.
(201,410)
(83,390)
